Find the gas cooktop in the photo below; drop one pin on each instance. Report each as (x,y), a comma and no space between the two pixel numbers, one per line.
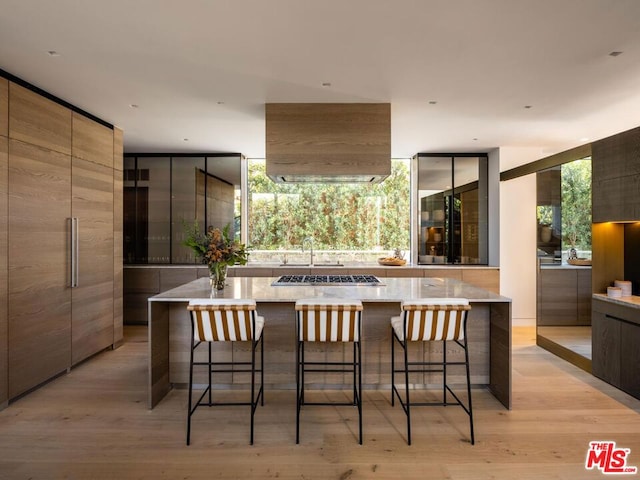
(347,280)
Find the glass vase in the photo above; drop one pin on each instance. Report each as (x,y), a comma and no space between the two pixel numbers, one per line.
(217,275)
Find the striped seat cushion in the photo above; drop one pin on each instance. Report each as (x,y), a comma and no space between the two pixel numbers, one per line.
(432,319)
(225,320)
(321,320)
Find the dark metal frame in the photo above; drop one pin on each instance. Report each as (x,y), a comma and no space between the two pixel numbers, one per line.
(355,368)
(211,364)
(407,404)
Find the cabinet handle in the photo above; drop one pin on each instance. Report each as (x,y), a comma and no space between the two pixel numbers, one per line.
(74,252)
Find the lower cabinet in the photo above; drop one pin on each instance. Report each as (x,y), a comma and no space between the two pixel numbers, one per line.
(564,296)
(615,340)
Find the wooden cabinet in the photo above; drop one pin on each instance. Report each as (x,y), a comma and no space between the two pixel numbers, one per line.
(616,177)
(4,107)
(564,296)
(39,293)
(118,179)
(36,120)
(4,330)
(605,337)
(615,340)
(92,311)
(54,164)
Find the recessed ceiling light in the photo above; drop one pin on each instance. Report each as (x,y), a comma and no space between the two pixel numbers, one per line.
(527,106)
(326,84)
(584,139)
(134,105)
(432,102)
(185,139)
(615,54)
(475,139)
(220,103)
(53,53)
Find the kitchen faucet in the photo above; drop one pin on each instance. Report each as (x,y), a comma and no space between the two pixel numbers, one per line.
(310,241)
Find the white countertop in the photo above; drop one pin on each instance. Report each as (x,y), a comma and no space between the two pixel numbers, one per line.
(632,301)
(393,290)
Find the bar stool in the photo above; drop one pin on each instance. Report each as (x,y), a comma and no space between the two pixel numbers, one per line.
(225,320)
(430,320)
(326,320)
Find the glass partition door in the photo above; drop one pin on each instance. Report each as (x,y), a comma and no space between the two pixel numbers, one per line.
(452,209)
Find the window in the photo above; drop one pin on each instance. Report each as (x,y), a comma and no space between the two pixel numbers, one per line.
(348,222)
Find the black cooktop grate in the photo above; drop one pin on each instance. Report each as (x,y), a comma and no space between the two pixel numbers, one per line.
(367,280)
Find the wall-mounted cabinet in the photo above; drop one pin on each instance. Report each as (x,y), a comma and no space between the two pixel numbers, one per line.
(616,177)
(452,209)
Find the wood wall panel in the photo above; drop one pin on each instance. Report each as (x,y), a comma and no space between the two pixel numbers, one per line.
(118,213)
(39,296)
(489,279)
(4,327)
(92,141)
(36,120)
(92,312)
(4,107)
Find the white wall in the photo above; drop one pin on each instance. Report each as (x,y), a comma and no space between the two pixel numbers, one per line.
(518,235)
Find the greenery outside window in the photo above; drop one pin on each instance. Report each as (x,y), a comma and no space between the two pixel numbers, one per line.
(347,222)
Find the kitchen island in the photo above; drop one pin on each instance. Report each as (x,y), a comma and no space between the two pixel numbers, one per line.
(489,332)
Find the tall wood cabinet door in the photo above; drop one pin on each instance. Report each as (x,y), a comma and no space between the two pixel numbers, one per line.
(92,205)
(39,303)
(630,358)
(118,213)
(37,120)
(4,107)
(92,312)
(605,345)
(4,327)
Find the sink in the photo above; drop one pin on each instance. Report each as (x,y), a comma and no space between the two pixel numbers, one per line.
(292,264)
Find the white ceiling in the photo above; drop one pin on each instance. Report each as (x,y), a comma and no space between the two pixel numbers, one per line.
(482,61)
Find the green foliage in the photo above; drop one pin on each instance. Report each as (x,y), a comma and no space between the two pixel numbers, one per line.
(576,204)
(338,216)
(215,247)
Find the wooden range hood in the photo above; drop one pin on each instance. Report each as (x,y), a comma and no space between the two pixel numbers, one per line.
(328,142)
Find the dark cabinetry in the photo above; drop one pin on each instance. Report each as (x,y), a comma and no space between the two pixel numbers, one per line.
(564,296)
(616,177)
(615,340)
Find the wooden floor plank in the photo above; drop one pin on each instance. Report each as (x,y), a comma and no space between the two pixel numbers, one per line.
(94,423)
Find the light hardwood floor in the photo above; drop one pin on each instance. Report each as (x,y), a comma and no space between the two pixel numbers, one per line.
(93,423)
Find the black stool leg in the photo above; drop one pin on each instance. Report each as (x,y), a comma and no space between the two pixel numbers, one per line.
(406,384)
(359,388)
(444,372)
(262,368)
(393,367)
(190,391)
(210,375)
(298,394)
(252,403)
(466,359)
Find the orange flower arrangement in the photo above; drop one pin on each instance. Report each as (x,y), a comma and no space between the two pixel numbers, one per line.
(217,250)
